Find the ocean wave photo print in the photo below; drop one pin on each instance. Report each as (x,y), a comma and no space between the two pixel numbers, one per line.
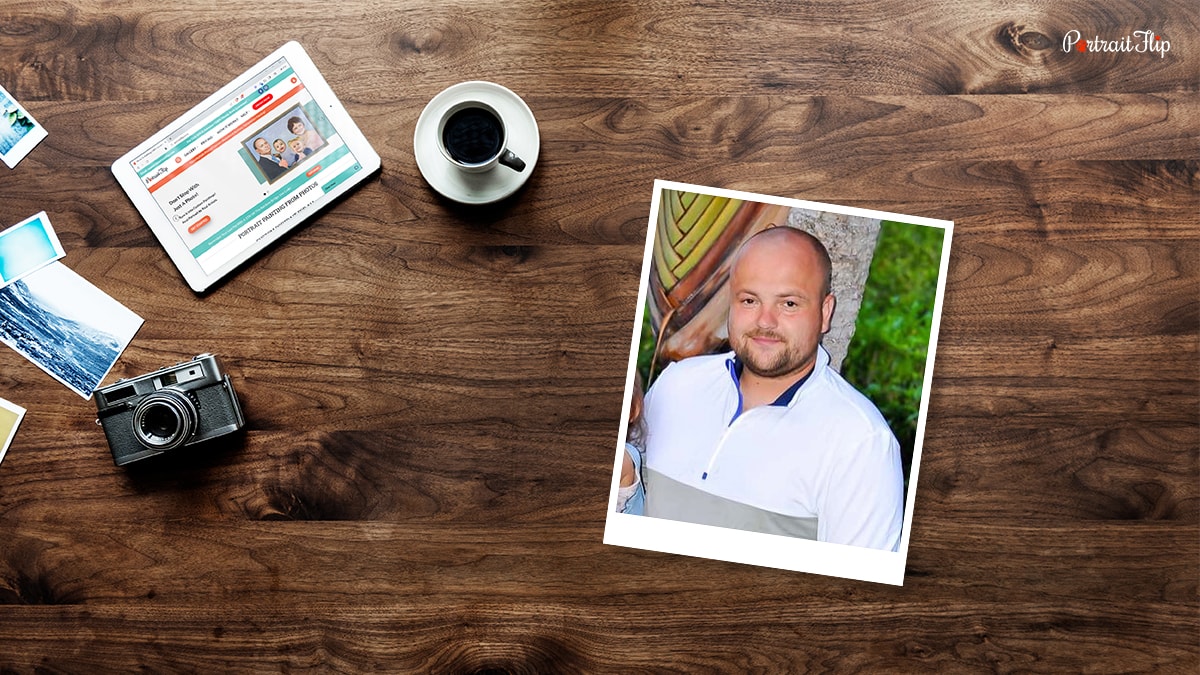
(66,326)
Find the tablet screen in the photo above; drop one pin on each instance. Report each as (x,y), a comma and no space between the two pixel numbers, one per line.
(245,166)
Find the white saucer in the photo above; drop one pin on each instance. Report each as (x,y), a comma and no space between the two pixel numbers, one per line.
(489,186)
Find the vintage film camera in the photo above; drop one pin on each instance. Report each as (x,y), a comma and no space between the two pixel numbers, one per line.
(176,406)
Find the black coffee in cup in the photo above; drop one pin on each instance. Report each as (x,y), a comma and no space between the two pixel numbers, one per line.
(473,135)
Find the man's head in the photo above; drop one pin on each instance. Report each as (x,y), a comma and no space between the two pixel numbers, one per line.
(780,302)
(262,146)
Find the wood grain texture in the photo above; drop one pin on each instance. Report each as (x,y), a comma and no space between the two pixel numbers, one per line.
(433,392)
(124,50)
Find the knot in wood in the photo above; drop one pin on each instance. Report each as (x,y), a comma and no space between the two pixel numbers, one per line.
(1021,40)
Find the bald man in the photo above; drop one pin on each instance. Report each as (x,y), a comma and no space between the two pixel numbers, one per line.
(266,160)
(769,438)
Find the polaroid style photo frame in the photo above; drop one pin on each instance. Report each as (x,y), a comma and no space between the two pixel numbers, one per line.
(65,325)
(27,247)
(245,166)
(684,304)
(11,415)
(19,132)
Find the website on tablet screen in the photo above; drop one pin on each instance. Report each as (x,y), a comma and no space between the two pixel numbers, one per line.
(246,166)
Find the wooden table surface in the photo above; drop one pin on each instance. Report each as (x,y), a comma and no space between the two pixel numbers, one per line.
(433,392)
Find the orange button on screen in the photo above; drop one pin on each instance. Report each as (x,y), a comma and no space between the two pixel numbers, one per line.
(312,171)
(199,224)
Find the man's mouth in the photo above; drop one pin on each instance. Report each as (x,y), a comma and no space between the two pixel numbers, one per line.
(764,338)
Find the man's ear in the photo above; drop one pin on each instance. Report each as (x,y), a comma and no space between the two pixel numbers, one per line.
(827,307)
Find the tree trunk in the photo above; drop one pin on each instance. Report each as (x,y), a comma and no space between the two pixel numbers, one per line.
(851,244)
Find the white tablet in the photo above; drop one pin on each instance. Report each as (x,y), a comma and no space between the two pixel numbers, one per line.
(245,166)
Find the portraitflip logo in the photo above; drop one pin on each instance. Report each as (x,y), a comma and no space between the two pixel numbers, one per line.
(1141,41)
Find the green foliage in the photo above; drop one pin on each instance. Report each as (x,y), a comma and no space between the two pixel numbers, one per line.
(646,349)
(17,120)
(886,358)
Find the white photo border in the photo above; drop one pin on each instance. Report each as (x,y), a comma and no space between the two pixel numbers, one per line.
(26,143)
(780,552)
(41,221)
(6,440)
(74,291)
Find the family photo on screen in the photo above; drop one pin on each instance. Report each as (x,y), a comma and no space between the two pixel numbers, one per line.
(284,144)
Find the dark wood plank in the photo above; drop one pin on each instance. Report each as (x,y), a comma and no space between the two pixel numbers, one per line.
(410,601)
(293,565)
(1122,472)
(530,638)
(119,51)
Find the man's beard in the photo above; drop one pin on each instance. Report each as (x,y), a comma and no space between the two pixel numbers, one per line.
(785,361)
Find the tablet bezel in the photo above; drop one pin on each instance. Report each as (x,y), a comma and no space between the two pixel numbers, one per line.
(323,96)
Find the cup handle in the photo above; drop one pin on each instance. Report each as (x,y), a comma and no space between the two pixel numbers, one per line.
(510,159)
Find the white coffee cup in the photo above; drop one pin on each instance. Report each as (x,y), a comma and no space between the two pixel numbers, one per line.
(472,136)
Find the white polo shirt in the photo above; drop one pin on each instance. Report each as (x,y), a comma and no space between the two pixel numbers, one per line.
(822,464)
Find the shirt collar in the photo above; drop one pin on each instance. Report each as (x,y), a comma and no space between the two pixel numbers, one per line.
(735,366)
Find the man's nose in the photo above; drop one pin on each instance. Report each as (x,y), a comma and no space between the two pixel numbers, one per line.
(767,318)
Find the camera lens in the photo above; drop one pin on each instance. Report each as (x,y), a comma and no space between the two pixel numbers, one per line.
(164,420)
(161,422)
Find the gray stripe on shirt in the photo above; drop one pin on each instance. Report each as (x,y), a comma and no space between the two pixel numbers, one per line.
(668,498)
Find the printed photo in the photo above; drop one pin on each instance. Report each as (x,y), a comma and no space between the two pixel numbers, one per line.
(778,379)
(26,247)
(66,326)
(10,418)
(19,132)
(284,144)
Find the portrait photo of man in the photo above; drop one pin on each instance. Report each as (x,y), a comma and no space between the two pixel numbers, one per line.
(767,437)
(786,350)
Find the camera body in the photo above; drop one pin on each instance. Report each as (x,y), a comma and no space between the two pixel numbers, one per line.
(174,407)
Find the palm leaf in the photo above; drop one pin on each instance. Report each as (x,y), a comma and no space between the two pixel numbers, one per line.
(696,236)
